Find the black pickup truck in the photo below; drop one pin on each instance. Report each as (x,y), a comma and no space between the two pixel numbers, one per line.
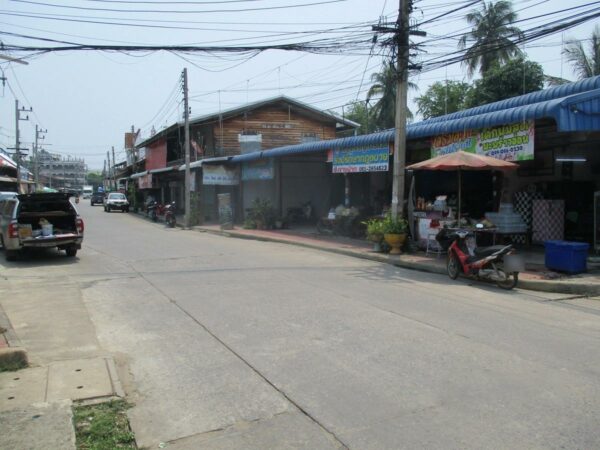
(97,198)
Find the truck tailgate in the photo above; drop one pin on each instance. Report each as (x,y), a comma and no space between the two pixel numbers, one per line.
(52,241)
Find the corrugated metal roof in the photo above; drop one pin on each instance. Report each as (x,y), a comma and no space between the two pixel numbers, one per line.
(139,174)
(163,169)
(365,140)
(563,90)
(574,107)
(193,165)
(578,112)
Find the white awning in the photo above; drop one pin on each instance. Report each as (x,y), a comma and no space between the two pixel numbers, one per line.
(163,169)
(194,165)
(139,174)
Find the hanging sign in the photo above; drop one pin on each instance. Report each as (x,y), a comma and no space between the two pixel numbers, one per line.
(361,160)
(145,181)
(260,169)
(220,175)
(509,142)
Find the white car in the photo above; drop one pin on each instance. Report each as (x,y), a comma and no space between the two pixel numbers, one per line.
(116,200)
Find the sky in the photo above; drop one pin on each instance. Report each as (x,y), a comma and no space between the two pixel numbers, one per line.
(87,100)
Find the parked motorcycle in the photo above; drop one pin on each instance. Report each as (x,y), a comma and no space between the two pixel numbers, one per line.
(170,211)
(300,214)
(498,263)
(154,210)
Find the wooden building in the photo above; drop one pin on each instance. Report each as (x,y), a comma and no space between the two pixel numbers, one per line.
(258,126)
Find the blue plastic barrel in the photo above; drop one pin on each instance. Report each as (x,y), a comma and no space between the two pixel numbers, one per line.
(565,256)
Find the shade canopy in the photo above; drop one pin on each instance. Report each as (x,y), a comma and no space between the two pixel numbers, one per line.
(463,161)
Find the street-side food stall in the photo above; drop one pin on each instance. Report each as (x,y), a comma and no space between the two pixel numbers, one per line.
(434,214)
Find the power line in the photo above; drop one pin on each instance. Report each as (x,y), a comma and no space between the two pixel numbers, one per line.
(239,10)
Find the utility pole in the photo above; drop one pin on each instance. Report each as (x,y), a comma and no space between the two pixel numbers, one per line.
(401,33)
(114,176)
(188,178)
(108,171)
(39,135)
(17,141)
(401,106)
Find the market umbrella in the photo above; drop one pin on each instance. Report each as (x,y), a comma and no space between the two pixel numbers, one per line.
(460,161)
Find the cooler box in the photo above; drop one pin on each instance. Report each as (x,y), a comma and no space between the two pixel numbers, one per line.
(564,256)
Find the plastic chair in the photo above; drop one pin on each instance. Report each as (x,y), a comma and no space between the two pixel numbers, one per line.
(435,248)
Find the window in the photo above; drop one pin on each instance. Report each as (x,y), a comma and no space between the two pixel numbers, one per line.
(116,196)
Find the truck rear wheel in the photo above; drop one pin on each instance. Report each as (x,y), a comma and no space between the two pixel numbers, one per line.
(71,252)
(10,255)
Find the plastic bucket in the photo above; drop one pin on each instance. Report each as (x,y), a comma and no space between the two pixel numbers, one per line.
(47,230)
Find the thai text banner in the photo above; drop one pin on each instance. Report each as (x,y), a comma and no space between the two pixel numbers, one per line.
(361,160)
(262,169)
(220,175)
(509,142)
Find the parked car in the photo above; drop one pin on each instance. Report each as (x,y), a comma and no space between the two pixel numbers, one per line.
(40,220)
(7,194)
(97,198)
(116,200)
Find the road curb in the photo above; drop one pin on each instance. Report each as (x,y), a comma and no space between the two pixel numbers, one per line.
(14,356)
(562,287)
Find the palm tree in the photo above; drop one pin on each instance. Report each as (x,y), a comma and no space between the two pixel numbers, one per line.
(585,65)
(384,87)
(492,33)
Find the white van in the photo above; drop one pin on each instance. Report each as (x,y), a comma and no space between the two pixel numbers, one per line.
(88,191)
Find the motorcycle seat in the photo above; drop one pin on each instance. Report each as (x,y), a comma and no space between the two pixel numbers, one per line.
(487,251)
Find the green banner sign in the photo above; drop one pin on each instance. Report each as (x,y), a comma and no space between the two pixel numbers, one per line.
(510,142)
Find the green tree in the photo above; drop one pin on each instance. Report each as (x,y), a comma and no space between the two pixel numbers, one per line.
(585,65)
(517,77)
(94,178)
(360,112)
(384,87)
(491,36)
(442,98)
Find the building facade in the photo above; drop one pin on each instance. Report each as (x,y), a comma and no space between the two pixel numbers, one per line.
(60,171)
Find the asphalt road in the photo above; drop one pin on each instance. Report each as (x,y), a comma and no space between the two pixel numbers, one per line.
(236,344)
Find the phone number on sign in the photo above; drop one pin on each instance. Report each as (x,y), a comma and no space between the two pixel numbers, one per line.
(505,153)
(359,169)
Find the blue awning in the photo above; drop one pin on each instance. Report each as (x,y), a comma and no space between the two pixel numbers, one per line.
(578,112)
(365,140)
(573,106)
(544,95)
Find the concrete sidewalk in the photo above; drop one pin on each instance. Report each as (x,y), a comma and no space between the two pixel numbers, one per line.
(534,278)
(54,333)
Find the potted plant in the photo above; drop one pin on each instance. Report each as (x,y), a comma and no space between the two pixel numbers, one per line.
(394,232)
(262,214)
(375,233)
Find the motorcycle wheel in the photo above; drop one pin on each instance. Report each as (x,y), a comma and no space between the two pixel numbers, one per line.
(510,280)
(453,266)
(154,216)
(171,222)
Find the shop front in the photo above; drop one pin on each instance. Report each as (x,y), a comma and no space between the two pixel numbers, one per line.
(550,195)
(219,179)
(310,184)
